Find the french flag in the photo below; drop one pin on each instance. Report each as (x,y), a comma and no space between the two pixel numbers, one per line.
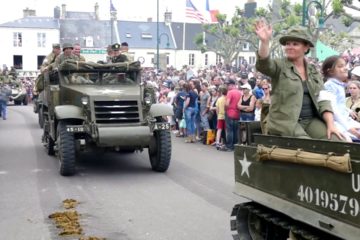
(212,13)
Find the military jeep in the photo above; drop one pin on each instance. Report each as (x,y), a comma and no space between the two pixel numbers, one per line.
(88,105)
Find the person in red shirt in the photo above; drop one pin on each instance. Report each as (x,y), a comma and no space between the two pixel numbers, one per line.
(232,115)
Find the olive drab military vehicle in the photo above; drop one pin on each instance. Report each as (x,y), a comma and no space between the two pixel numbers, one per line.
(104,105)
(18,95)
(296,189)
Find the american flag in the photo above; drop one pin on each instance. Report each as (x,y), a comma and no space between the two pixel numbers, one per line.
(192,12)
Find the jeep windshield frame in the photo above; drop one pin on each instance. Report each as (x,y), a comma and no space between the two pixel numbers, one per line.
(99,77)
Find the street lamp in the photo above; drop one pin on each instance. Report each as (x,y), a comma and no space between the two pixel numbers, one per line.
(158,37)
(305,15)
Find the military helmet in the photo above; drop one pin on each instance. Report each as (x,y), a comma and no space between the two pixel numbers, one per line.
(115,47)
(67,45)
(297,33)
(56,45)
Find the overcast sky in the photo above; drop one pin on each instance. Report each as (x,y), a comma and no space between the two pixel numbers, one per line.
(136,10)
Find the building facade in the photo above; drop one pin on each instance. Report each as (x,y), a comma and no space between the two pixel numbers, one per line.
(28,40)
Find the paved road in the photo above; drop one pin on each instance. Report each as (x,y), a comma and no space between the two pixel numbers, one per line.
(120,197)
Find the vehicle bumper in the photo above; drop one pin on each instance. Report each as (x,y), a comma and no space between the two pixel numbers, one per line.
(125,136)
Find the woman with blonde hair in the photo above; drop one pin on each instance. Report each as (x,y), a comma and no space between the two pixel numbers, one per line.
(353,101)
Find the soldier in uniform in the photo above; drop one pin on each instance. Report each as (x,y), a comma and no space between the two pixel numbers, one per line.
(296,107)
(47,64)
(110,54)
(66,55)
(76,51)
(117,55)
(50,59)
(125,50)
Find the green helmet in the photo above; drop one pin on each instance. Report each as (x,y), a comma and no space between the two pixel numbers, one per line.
(297,33)
(67,45)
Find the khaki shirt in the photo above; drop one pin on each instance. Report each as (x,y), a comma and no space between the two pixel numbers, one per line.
(129,57)
(48,61)
(61,58)
(287,94)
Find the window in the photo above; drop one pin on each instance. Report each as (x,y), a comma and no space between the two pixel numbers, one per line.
(128,35)
(252,60)
(206,60)
(191,59)
(41,39)
(89,41)
(146,35)
(218,59)
(18,62)
(17,38)
(246,46)
(40,60)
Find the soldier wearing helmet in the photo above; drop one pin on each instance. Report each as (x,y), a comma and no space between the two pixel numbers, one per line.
(66,55)
(47,65)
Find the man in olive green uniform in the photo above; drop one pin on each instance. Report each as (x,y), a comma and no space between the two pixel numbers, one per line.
(66,55)
(295,109)
(47,64)
(50,59)
(76,51)
(117,55)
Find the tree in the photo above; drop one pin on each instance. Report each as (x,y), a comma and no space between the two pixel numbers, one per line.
(230,36)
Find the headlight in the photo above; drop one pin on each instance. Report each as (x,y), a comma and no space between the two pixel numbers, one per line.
(148,99)
(85,100)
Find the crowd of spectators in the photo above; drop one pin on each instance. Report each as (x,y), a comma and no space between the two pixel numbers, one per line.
(215,98)
(218,97)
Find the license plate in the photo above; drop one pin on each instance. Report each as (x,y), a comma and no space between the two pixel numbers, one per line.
(162,126)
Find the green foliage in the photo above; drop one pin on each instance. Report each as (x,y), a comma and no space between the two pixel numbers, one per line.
(230,35)
(337,6)
(347,21)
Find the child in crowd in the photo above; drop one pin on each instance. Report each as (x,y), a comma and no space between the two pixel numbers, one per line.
(336,74)
(258,106)
(220,111)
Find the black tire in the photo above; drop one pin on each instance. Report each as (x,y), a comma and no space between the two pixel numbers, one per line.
(66,150)
(17,102)
(41,116)
(160,155)
(25,101)
(49,144)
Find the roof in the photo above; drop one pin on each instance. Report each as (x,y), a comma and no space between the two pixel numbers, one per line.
(80,15)
(33,22)
(76,30)
(337,26)
(143,34)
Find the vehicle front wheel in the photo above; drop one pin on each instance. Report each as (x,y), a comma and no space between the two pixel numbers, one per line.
(66,150)
(160,151)
(41,116)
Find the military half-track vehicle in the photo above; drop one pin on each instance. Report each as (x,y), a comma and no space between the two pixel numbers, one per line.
(18,95)
(296,188)
(88,105)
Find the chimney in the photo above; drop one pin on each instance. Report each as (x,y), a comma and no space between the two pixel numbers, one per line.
(96,7)
(28,12)
(167,17)
(63,11)
(149,19)
(57,12)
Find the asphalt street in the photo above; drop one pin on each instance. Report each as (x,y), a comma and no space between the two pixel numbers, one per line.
(119,197)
